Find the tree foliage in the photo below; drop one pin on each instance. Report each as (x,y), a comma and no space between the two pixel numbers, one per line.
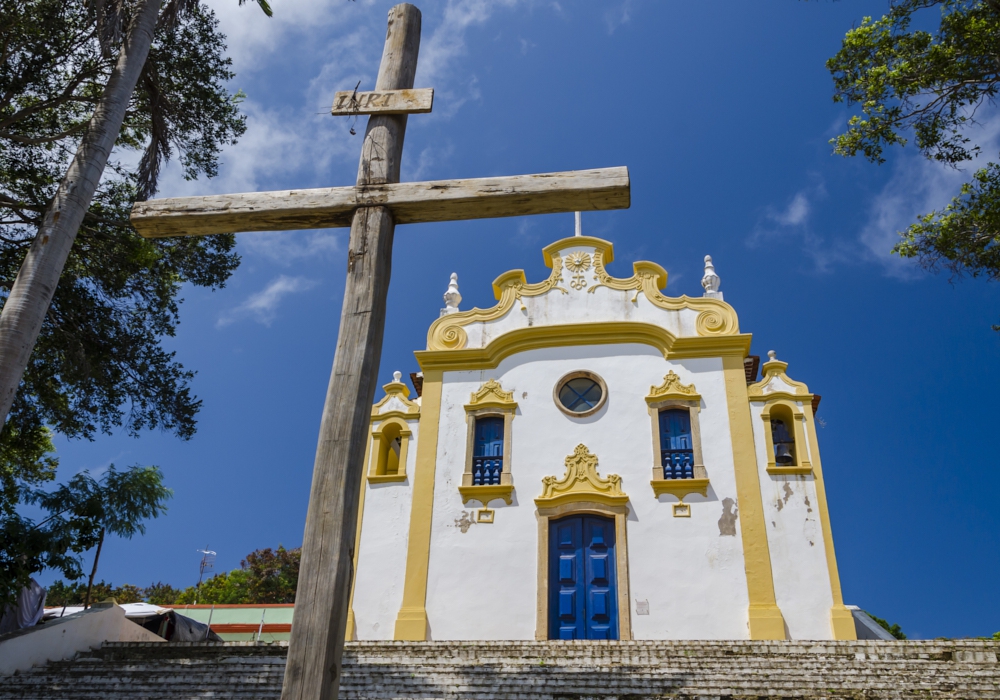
(160,593)
(894,629)
(78,512)
(72,594)
(930,86)
(98,364)
(266,576)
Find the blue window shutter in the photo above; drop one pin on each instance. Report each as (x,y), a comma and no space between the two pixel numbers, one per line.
(489,437)
(487,452)
(676,444)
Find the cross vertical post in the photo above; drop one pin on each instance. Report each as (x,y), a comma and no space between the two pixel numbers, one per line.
(321,602)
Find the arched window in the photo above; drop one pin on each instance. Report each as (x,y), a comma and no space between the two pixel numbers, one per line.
(783,440)
(487,451)
(676,444)
(389,448)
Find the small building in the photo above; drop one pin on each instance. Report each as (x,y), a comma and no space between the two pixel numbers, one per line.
(243,623)
(592,459)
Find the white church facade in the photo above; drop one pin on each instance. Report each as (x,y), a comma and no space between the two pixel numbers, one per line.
(591,459)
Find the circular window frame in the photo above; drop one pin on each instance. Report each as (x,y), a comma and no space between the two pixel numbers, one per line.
(580,374)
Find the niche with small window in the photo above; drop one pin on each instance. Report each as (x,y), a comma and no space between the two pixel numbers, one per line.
(390,442)
(786,448)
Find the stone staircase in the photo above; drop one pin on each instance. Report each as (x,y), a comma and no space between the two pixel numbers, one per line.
(731,670)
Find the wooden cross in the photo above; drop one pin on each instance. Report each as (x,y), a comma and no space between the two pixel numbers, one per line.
(372,208)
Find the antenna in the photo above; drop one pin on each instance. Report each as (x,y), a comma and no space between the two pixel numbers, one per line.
(207,564)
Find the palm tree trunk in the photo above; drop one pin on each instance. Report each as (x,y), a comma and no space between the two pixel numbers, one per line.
(93,571)
(29,299)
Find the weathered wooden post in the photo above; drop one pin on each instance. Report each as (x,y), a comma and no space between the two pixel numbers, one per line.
(321,600)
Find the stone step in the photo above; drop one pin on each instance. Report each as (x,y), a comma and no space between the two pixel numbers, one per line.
(537,670)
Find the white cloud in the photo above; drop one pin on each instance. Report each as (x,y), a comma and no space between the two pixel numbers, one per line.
(324,46)
(253,39)
(918,186)
(792,221)
(423,165)
(795,214)
(262,306)
(618,15)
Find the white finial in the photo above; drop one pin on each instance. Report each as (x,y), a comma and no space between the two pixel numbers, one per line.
(772,355)
(711,280)
(397,376)
(452,298)
(579,223)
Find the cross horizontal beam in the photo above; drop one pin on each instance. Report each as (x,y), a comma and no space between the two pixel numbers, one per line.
(410,203)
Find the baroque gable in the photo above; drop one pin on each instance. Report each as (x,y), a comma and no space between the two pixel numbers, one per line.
(579,291)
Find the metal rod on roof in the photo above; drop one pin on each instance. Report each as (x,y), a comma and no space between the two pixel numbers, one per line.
(260,629)
(209,630)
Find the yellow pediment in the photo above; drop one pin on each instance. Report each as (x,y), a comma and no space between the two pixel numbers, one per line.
(491,395)
(581,482)
(672,388)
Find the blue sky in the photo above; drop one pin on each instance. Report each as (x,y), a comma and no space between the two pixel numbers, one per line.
(722,112)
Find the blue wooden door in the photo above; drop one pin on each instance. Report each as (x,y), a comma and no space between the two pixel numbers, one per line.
(583,595)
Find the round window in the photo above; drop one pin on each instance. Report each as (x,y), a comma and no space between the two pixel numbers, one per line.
(580,393)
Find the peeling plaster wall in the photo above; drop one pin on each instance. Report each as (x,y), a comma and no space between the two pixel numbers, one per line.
(385,528)
(795,538)
(483,578)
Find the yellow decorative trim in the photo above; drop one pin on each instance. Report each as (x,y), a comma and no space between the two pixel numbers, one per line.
(603,333)
(491,395)
(385,478)
(682,510)
(788,471)
(411,623)
(763,615)
(671,388)
(377,417)
(581,482)
(715,316)
(550,253)
(776,369)
(485,515)
(782,396)
(484,493)
(679,487)
(352,627)
(446,333)
(841,619)
(842,623)
(402,392)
